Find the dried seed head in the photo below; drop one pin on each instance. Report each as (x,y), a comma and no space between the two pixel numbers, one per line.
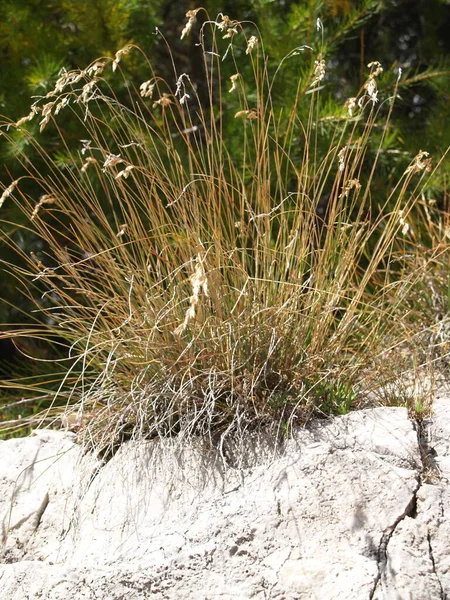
(229,26)
(251,44)
(199,283)
(86,146)
(232,31)
(76,76)
(420,163)
(119,55)
(45,199)
(252,113)
(403,222)
(341,158)
(111,161)
(319,72)
(96,68)
(198,279)
(125,173)
(350,185)
(61,82)
(192,17)
(89,161)
(87,91)
(122,230)
(69,78)
(225,23)
(376,67)
(23,120)
(163,101)
(7,193)
(46,113)
(34,111)
(350,104)
(47,109)
(371,88)
(233,80)
(61,104)
(181,88)
(147,89)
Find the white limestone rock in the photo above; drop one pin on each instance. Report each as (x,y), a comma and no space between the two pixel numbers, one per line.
(340,511)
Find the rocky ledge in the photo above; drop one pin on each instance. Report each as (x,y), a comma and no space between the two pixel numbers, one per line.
(356,507)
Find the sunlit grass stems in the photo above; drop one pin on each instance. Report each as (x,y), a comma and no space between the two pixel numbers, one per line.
(207,266)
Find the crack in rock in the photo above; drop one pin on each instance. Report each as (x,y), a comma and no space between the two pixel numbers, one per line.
(427,472)
(430,472)
(443,595)
(410,511)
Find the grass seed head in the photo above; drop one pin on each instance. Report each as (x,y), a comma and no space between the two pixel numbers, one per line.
(7,193)
(421,162)
(319,72)
(34,111)
(88,91)
(61,104)
(403,222)
(199,283)
(251,44)
(341,158)
(350,104)
(125,173)
(164,101)
(146,89)
(350,185)
(96,68)
(251,113)
(122,230)
(46,114)
(89,161)
(191,18)
(119,55)
(371,88)
(111,161)
(376,68)
(45,199)
(234,78)
(225,23)
(181,88)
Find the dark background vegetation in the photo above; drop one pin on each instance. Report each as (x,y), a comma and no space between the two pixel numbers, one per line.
(38,38)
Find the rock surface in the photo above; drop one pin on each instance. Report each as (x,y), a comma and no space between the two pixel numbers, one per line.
(350,509)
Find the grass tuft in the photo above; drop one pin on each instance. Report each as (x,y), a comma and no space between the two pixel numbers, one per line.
(215,258)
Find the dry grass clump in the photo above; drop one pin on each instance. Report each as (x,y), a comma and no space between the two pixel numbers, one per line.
(204,281)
